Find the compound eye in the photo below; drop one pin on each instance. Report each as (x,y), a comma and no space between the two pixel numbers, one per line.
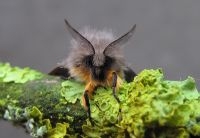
(88,61)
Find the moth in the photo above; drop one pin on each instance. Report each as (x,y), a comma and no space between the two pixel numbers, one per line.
(96,59)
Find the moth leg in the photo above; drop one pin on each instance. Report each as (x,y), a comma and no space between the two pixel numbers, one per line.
(114,86)
(90,87)
(87,106)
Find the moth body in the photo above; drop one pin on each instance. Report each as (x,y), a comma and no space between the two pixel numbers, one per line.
(96,59)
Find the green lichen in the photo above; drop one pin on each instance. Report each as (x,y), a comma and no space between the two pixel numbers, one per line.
(72,91)
(59,131)
(154,102)
(38,126)
(17,75)
(35,113)
(150,106)
(32,98)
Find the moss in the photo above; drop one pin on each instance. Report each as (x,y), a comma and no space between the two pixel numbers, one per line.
(150,106)
(35,99)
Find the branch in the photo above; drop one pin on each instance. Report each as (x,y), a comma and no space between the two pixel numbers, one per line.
(50,107)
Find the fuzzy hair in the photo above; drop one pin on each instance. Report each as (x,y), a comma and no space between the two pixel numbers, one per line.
(100,40)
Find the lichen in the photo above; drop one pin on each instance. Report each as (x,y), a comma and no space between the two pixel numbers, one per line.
(150,106)
(72,91)
(17,75)
(59,131)
(153,103)
(34,99)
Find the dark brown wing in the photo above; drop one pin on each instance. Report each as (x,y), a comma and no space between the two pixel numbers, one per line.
(61,72)
(129,74)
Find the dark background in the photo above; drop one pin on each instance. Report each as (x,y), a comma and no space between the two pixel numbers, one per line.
(32,33)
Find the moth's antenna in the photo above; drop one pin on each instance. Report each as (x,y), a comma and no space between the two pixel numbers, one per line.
(76,35)
(120,41)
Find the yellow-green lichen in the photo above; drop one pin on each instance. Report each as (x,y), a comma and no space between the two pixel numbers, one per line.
(34,113)
(59,131)
(150,106)
(39,127)
(72,90)
(16,74)
(38,104)
(153,102)
(105,108)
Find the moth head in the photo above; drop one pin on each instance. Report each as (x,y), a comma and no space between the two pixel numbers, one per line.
(95,51)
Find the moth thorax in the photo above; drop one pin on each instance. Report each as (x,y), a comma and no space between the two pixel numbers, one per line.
(98,60)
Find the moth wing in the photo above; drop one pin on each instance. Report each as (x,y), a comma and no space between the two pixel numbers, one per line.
(129,74)
(60,71)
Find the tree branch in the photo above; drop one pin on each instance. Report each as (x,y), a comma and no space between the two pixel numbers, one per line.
(50,107)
